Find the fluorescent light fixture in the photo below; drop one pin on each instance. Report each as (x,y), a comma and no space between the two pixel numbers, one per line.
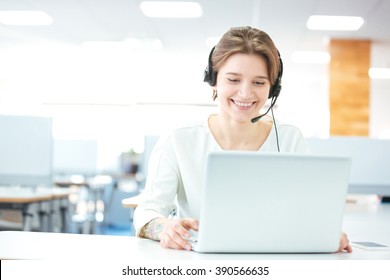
(342,23)
(379,73)
(171,9)
(25,18)
(310,57)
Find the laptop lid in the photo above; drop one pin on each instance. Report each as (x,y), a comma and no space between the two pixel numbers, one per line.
(272,203)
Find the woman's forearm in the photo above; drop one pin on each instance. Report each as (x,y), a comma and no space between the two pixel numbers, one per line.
(152,229)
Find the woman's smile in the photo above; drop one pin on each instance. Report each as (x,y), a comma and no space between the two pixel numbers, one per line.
(241,105)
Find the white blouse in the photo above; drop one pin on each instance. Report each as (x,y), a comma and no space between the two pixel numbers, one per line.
(177,169)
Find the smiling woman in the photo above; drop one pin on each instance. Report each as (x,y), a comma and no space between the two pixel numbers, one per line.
(243,70)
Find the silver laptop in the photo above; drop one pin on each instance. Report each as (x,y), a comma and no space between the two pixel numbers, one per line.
(272,203)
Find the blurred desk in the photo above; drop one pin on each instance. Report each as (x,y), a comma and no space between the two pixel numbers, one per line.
(131,202)
(31,201)
(59,208)
(94,197)
(68,183)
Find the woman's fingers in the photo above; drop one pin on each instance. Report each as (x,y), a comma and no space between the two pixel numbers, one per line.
(344,244)
(176,232)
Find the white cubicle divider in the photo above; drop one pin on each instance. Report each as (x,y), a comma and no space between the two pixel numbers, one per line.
(25,150)
(370,171)
(75,157)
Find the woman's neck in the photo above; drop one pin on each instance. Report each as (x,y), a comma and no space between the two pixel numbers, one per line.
(232,135)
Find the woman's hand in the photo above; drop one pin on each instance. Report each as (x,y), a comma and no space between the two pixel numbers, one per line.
(176,232)
(344,244)
(172,233)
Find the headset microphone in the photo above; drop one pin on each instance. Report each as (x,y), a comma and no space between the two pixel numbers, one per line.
(262,115)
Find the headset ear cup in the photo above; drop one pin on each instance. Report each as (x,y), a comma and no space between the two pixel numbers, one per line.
(213,78)
(275,91)
(277,87)
(206,78)
(210,76)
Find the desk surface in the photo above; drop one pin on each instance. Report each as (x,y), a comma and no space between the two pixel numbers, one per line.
(42,245)
(362,223)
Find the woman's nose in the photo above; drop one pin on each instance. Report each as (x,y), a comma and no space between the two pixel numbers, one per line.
(245,90)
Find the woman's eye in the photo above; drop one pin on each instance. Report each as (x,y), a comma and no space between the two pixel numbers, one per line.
(233,80)
(259,83)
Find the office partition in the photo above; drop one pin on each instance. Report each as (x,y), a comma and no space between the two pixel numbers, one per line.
(75,157)
(25,150)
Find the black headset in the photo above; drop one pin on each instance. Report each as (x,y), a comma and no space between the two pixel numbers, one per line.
(210,76)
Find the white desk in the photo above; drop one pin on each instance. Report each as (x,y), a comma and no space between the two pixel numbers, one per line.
(368,222)
(362,223)
(43,245)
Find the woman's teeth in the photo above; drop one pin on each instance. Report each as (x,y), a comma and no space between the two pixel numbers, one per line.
(243,104)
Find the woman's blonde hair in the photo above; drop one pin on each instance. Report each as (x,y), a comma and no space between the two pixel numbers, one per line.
(247,40)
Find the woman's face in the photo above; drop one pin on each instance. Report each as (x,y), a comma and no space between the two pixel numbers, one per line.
(243,87)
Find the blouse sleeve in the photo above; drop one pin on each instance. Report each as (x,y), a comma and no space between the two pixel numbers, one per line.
(161,184)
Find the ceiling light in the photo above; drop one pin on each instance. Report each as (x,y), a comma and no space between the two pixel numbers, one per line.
(171,9)
(379,73)
(346,23)
(310,57)
(25,18)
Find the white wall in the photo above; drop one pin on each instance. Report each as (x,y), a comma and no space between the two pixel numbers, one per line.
(380,94)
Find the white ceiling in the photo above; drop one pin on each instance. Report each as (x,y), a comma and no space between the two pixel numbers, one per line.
(77,21)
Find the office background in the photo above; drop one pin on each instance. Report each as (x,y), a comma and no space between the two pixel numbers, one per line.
(103,70)
(108,76)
